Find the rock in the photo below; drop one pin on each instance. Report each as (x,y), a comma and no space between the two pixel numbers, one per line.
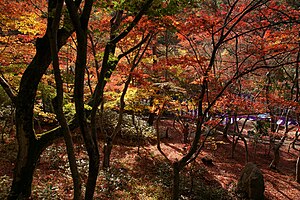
(251,183)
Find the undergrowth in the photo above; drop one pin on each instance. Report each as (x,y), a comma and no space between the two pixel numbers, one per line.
(143,176)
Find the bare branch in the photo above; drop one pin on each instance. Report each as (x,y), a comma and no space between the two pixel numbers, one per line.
(8,89)
(133,23)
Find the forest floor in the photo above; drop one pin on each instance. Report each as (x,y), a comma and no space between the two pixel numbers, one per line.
(141,172)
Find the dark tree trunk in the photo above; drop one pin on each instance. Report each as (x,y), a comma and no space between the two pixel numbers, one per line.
(28,152)
(151,117)
(176,181)
(27,159)
(276,150)
(29,147)
(186,133)
(246,149)
(298,170)
(297,100)
(295,139)
(107,151)
(275,161)
(234,143)
(80,25)
(109,139)
(108,67)
(225,131)
(54,21)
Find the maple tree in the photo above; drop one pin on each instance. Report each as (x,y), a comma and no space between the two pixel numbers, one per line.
(218,59)
(230,32)
(29,147)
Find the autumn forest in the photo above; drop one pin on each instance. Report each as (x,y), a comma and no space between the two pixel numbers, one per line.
(150,99)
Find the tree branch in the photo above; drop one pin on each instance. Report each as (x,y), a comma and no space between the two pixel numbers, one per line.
(133,23)
(8,89)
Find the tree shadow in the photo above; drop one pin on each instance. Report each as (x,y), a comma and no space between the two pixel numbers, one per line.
(196,182)
(278,183)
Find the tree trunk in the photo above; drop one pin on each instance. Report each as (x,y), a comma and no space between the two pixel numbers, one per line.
(246,149)
(276,150)
(298,170)
(110,138)
(225,132)
(28,155)
(94,161)
(234,143)
(107,151)
(29,150)
(29,147)
(91,143)
(186,133)
(176,181)
(295,139)
(275,161)
(271,144)
(54,21)
(151,117)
